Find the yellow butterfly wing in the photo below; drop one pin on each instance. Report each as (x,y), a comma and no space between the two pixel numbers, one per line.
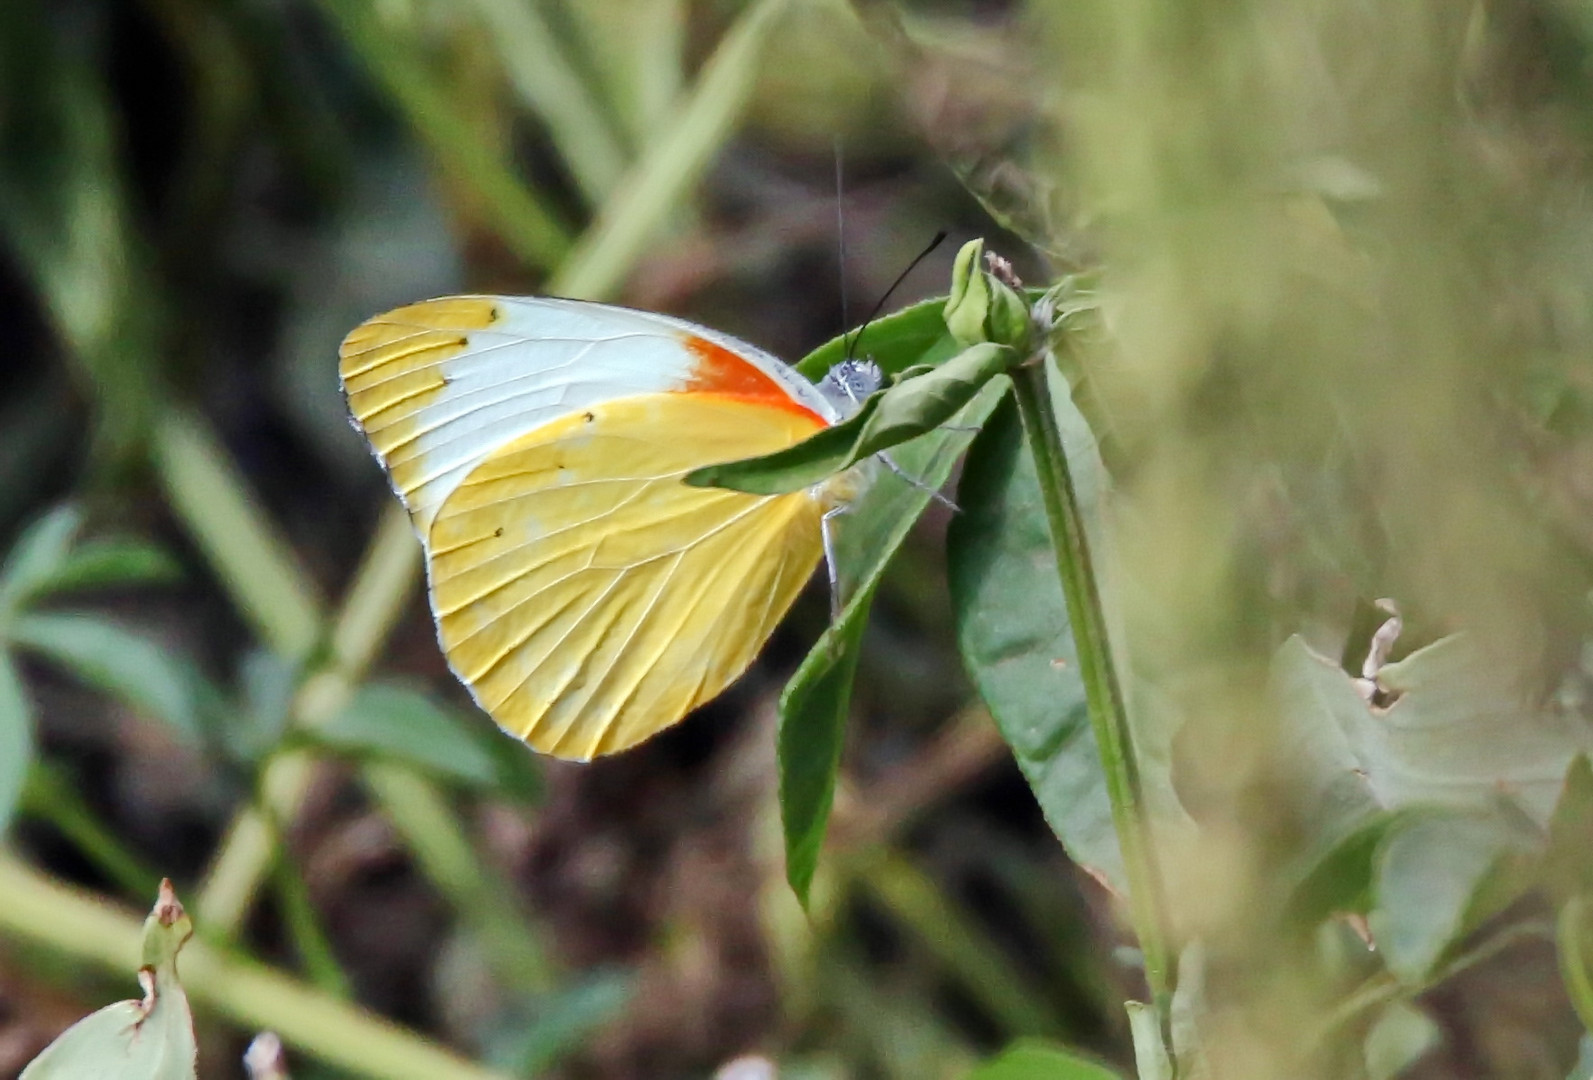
(587,597)
(582,592)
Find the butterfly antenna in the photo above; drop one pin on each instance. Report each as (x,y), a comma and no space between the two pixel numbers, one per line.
(840,231)
(940,238)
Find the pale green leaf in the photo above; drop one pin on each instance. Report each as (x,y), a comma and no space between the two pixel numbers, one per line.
(1583,1069)
(1438,876)
(1150,1053)
(404,725)
(38,554)
(152,1039)
(1398,1039)
(121,662)
(101,563)
(1458,734)
(16,739)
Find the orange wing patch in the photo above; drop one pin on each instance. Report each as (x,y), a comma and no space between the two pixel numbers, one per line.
(719,371)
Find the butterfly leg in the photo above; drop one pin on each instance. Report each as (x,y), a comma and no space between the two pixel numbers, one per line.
(919,484)
(827,534)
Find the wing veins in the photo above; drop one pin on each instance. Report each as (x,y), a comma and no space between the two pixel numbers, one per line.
(510,580)
(619,573)
(654,660)
(641,620)
(579,619)
(509,649)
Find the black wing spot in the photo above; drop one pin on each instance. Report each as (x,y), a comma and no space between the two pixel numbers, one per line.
(498,532)
(588,417)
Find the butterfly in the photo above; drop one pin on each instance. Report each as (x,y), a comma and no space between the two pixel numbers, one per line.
(584,595)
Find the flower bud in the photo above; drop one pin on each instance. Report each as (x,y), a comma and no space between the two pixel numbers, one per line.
(982,306)
(969,301)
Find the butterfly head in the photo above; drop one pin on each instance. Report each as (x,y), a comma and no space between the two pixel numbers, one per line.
(849,382)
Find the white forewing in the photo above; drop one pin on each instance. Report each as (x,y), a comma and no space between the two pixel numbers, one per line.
(440,385)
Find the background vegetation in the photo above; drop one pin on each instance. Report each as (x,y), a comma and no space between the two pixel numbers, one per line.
(1344,270)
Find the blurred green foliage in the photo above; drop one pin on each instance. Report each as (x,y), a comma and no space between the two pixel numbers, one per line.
(1340,255)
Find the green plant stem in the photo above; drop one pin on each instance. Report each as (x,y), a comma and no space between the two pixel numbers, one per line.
(525,223)
(1103,693)
(380,589)
(50,797)
(1572,945)
(253,562)
(1384,988)
(375,601)
(41,910)
(672,162)
(914,899)
(310,942)
(485,901)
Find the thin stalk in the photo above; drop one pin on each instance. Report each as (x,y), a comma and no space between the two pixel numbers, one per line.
(966,950)
(304,927)
(513,208)
(255,997)
(242,544)
(539,67)
(1103,693)
(485,902)
(1385,989)
(1571,944)
(49,797)
(375,601)
(672,162)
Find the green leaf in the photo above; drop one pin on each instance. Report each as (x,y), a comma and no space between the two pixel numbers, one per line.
(1189,1013)
(118,661)
(152,1039)
(914,335)
(1457,737)
(1339,877)
(1032,1059)
(16,739)
(101,563)
(1439,875)
(65,215)
(519,774)
(1012,629)
(814,706)
(1459,734)
(813,713)
(44,560)
(1568,871)
(1399,1038)
(38,555)
(268,682)
(1571,933)
(407,726)
(924,399)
